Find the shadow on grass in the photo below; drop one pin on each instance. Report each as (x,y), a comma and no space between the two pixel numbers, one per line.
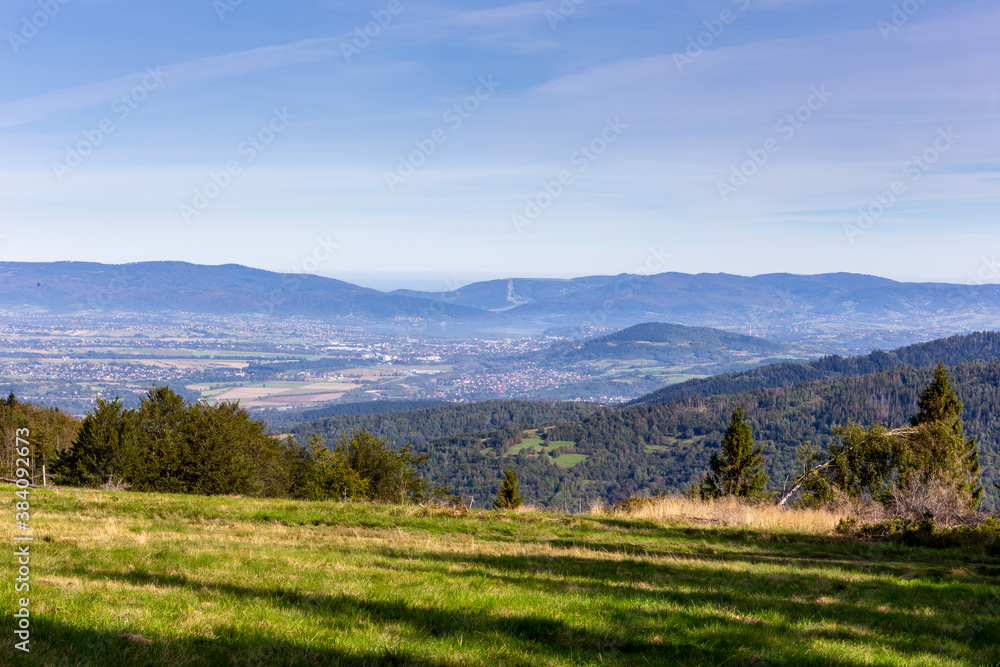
(56,644)
(708,641)
(703,625)
(825,592)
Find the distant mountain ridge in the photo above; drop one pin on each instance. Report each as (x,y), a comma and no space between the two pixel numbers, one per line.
(777,301)
(979,346)
(229,289)
(864,311)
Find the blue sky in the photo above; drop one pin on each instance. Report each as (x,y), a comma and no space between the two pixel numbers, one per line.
(461,141)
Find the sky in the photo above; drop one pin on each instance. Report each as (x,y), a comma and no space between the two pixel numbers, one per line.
(430,144)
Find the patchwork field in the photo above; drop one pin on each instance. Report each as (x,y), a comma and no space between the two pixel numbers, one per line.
(133,579)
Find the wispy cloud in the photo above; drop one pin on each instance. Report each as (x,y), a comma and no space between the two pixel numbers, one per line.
(28,110)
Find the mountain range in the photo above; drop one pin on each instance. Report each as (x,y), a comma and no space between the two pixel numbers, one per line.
(868,311)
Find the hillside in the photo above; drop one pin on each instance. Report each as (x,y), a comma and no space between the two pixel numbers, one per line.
(672,344)
(421,426)
(616,453)
(635,360)
(126,579)
(179,287)
(980,346)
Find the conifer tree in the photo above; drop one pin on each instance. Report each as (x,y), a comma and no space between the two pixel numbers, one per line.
(106,447)
(509,497)
(739,470)
(938,447)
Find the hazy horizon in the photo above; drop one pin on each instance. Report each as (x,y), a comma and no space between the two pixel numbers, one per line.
(505,138)
(429,282)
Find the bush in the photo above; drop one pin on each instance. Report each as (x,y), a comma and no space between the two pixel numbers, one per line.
(982,537)
(632,504)
(932,498)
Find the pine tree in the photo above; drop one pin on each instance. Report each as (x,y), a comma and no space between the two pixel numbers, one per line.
(938,447)
(509,497)
(106,447)
(739,471)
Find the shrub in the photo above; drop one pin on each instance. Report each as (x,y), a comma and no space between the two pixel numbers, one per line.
(982,537)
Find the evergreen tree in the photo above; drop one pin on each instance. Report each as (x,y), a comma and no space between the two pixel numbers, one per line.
(739,471)
(159,422)
(328,474)
(390,475)
(509,497)
(938,448)
(106,447)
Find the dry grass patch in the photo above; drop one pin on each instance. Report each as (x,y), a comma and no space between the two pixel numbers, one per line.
(731,512)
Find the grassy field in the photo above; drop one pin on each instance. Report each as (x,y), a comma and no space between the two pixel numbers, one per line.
(134,579)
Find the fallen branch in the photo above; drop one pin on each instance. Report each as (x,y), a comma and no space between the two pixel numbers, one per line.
(800,480)
(895,433)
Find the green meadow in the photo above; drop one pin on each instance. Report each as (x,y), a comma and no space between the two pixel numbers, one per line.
(141,579)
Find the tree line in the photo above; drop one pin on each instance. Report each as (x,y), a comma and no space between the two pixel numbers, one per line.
(170,445)
(896,468)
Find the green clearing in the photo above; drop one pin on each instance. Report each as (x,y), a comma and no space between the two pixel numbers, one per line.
(232,581)
(570,460)
(537,445)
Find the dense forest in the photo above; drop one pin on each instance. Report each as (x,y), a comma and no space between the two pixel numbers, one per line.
(646,448)
(981,346)
(421,426)
(51,433)
(286,420)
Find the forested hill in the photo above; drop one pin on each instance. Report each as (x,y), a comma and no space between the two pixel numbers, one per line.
(674,343)
(419,426)
(646,448)
(980,346)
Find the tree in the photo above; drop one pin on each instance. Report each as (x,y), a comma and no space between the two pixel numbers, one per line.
(328,474)
(931,454)
(862,462)
(739,471)
(509,496)
(105,448)
(160,419)
(391,475)
(937,447)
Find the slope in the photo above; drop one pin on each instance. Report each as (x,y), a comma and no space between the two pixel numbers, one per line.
(979,346)
(171,287)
